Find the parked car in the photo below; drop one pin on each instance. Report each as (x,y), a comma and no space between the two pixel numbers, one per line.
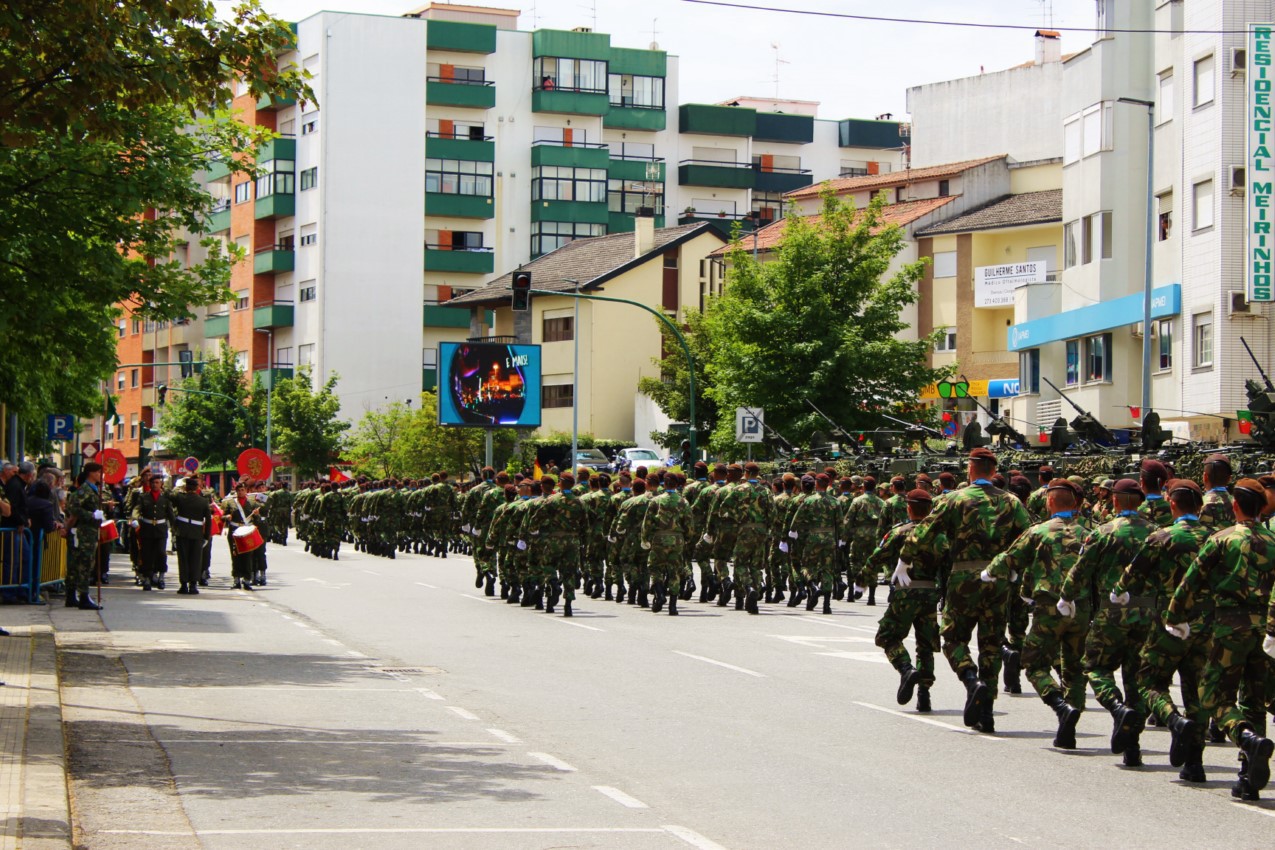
(630,458)
(593,459)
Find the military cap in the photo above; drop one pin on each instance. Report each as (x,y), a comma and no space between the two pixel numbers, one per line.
(752,468)
(1154,469)
(923,477)
(1268,481)
(1252,486)
(869,482)
(948,480)
(807,480)
(822,478)
(898,479)
(549,479)
(857,479)
(1178,484)
(567,479)
(1217,458)
(701,466)
(1067,484)
(983,453)
(999,480)
(1127,487)
(920,496)
(1107,483)
(1078,481)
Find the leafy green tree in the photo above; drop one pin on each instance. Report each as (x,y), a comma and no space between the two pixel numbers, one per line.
(305,424)
(210,427)
(376,444)
(399,441)
(671,391)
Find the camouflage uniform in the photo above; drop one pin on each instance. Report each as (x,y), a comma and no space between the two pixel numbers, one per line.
(777,566)
(632,557)
(862,520)
(475,517)
(665,529)
(753,508)
(914,608)
(1216,513)
(594,549)
(722,529)
(1156,509)
(692,493)
(894,510)
(700,512)
(512,556)
(553,533)
(614,572)
(814,527)
(81,554)
(1036,505)
(279,513)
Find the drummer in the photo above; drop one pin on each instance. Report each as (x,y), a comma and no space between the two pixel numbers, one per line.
(240,512)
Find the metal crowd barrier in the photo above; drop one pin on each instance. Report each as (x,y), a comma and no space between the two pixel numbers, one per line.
(16,556)
(52,564)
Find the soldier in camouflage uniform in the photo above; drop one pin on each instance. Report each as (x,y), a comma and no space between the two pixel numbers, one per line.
(812,533)
(554,542)
(971,526)
(1036,501)
(862,521)
(594,553)
(722,531)
(1155,507)
(665,530)
(913,607)
(84,518)
(1035,566)
(692,492)
(1153,575)
(279,513)
(1117,633)
(1216,513)
(513,559)
(1100,510)
(1236,568)
(747,508)
(709,585)
(628,529)
(614,572)
(777,566)
(475,517)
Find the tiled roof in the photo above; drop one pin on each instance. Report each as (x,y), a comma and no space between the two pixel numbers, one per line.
(901,214)
(591,261)
(844,185)
(1009,211)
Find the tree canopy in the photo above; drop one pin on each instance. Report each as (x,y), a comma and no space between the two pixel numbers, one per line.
(210,427)
(306,427)
(399,441)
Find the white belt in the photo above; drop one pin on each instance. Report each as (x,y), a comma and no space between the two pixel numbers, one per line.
(191,521)
(154,521)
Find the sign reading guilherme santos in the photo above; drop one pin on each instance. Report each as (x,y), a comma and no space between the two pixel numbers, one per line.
(1260,241)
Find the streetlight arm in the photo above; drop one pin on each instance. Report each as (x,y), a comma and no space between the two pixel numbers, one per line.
(252,432)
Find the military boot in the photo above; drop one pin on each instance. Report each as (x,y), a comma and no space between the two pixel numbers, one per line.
(1243,788)
(987,722)
(704,592)
(657,598)
(633,593)
(750,602)
(977,695)
(840,592)
(672,606)
(812,597)
(566,608)
(504,590)
(515,593)
(478,579)
(909,678)
(642,600)
(86,603)
(872,592)
(795,599)
(1216,735)
(72,598)
(740,597)
(1257,753)
(490,589)
(1126,724)
(1068,717)
(597,589)
(827,602)
(1182,731)
(723,594)
(923,699)
(779,592)
(609,597)
(1013,670)
(1193,770)
(688,589)
(1133,754)
(538,598)
(588,586)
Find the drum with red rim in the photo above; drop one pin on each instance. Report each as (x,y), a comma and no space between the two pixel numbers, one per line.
(108,533)
(246,539)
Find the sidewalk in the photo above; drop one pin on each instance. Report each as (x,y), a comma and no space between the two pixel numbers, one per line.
(33,786)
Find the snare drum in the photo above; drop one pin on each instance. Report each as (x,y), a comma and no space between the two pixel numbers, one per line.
(246,539)
(108,533)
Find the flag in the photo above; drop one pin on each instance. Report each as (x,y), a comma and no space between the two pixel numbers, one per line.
(336,476)
(111,415)
(1044,436)
(536,471)
(1246,421)
(1135,412)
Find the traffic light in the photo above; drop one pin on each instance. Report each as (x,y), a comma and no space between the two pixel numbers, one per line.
(146,432)
(161,393)
(521,286)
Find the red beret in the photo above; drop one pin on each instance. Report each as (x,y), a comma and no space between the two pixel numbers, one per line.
(983,453)
(1127,487)
(1064,484)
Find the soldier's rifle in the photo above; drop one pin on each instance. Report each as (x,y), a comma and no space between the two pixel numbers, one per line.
(1086,424)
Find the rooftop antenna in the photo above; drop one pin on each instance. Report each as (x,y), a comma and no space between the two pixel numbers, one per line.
(535,16)
(655,45)
(774,45)
(1047,13)
(593,10)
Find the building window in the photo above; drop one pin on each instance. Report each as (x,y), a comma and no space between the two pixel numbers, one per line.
(459,177)
(626,196)
(1069,244)
(305,356)
(308,293)
(1096,237)
(946,342)
(580,75)
(1029,371)
(1164,334)
(465,74)
(454,240)
(283,358)
(1071,140)
(309,234)
(137,326)
(559,329)
(564,183)
(278,179)
(447,128)
(310,178)
(1202,340)
(1164,223)
(1164,104)
(1202,194)
(634,91)
(632,150)
(1096,128)
(243,192)
(309,123)
(548,236)
(123,328)
(557,395)
(1073,362)
(768,207)
(241,361)
(241,299)
(945,264)
(945,188)
(134,378)
(1098,358)
(132,426)
(1202,90)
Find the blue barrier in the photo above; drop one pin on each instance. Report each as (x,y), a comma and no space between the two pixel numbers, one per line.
(16,561)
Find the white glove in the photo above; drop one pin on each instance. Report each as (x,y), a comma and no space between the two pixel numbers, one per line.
(1066,608)
(708,539)
(1013,575)
(99,516)
(610,539)
(901,577)
(135,524)
(646,545)
(1268,646)
(858,591)
(522,545)
(465,528)
(476,533)
(1180,631)
(793,535)
(783,546)
(985,576)
(841,544)
(1122,599)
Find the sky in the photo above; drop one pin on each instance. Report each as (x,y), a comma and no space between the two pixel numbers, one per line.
(854,69)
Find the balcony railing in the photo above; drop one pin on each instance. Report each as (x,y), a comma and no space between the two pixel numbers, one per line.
(460,81)
(573,144)
(853,172)
(460,137)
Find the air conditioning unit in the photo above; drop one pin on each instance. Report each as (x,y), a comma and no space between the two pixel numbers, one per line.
(1239,61)
(582,29)
(1240,305)
(1238,180)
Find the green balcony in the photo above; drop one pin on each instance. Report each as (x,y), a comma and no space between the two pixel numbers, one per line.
(634,118)
(278,314)
(219,221)
(459,206)
(216,325)
(578,156)
(723,224)
(578,212)
(782,127)
(724,175)
(472,150)
(642,63)
(573,45)
(438,316)
(466,95)
(618,222)
(275,260)
(716,120)
(270,378)
(463,262)
(284,147)
(218,169)
(273,103)
(570,102)
(460,37)
(635,169)
(277,205)
(884,135)
(429,380)
(783,180)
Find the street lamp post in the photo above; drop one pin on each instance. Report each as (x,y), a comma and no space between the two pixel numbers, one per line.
(269,377)
(575,378)
(1150,241)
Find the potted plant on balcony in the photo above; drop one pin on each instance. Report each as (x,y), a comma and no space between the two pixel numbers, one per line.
(689,211)
(721,213)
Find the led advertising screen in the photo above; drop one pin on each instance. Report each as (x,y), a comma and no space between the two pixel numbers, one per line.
(488,384)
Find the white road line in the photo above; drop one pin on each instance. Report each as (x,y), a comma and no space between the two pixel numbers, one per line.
(1249,807)
(555,763)
(430,586)
(354,654)
(567,622)
(217,742)
(504,736)
(721,664)
(398,831)
(428,694)
(929,722)
(476,598)
(620,797)
(331,641)
(317,689)
(826,622)
(692,838)
(371,572)
(462,713)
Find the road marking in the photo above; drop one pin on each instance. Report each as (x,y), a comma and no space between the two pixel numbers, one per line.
(555,763)
(397,831)
(825,621)
(335,689)
(428,694)
(721,664)
(929,722)
(567,622)
(462,713)
(870,657)
(620,797)
(331,641)
(818,642)
(217,742)
(430,586)
(476,598)
(692,838)
(354,654)
(371,572)
(285,616)
(1249,807)
(504,736)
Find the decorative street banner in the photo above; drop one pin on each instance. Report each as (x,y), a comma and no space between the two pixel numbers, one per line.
(1261,180)
(994,285)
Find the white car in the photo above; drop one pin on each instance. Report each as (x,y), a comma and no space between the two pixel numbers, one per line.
(633,458)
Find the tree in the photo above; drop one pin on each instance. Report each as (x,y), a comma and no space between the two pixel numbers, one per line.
(306,427)
(819,321)
(376,443)
(397,441)
(671,391)
(210,427)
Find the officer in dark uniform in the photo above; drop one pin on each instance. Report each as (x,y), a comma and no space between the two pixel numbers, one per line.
(192,526)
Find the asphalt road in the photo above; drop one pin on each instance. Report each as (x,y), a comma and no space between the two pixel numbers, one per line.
(388,704)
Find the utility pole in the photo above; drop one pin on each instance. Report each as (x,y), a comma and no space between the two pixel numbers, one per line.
(575,378)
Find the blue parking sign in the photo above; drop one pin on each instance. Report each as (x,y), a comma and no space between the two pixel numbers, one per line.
(61,426)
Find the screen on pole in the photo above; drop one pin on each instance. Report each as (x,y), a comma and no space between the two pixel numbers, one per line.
(488,384)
